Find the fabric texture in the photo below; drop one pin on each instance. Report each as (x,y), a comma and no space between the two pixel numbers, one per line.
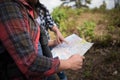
(44,19)
(19,34)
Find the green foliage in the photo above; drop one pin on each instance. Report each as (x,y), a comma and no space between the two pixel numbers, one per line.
(65,18)
(103,40)
(88,1)
(103,57)
(63,28)
(68,19)
(103,6)
(59,14)
(111,29)
(87,30)
(114,17)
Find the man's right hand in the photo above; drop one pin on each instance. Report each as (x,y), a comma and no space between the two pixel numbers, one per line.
(75,62)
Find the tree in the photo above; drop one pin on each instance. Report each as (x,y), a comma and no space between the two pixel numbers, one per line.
(103,6)
(78,3)
(117,3)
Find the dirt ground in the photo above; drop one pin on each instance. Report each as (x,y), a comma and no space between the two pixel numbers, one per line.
(101,63)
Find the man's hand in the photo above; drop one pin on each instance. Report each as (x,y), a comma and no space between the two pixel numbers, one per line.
(75,62)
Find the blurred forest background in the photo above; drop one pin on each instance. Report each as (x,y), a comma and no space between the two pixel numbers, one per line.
(98,25)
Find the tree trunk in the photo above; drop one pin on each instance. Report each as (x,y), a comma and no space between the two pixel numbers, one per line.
(78,3)
(117,3)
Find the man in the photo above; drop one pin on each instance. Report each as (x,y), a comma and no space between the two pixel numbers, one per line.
(19,39)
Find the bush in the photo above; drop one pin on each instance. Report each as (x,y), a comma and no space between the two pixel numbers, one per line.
(87,30)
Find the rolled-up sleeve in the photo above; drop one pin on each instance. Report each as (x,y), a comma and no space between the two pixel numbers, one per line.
(20,42)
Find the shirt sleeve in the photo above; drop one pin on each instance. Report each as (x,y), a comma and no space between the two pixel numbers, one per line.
(49,20)
(19,43)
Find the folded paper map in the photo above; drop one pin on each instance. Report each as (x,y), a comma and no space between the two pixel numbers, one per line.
(75,45)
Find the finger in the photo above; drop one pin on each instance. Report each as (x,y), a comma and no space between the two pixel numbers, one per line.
(79,67)
(83,57)
(81,63)
(66,42)
(58,41)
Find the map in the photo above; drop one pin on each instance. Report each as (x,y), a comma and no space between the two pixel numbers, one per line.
(75,45)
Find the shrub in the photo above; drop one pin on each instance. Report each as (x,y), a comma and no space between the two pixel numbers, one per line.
(87,30)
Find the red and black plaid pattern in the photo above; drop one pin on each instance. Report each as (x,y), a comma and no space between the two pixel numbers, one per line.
(19,34)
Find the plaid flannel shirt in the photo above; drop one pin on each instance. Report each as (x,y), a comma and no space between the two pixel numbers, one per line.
(19,34)
(45,19)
